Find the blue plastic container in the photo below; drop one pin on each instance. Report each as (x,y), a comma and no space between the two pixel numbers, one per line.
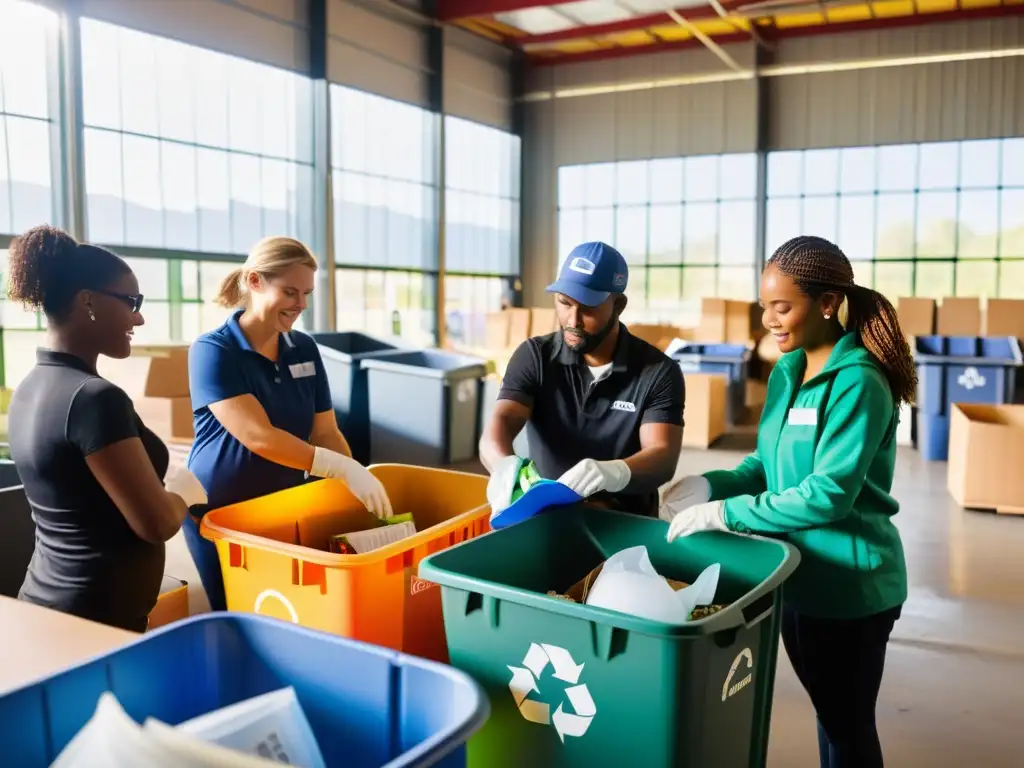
(731,360)
(342,354)
(368,706)
(960,369)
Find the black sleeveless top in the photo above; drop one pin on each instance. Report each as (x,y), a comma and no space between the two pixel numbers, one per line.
(87,560)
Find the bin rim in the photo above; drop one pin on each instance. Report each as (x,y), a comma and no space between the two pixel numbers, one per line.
(350,357)
(473,367)
(453,736)
(728,618)
(1015,361)
(211,531)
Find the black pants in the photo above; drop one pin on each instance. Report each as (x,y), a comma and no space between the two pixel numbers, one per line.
(840,663)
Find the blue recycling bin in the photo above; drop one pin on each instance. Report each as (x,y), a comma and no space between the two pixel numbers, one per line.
(960,369)
(367,706)
(730,360)
(424,407)
(342,354)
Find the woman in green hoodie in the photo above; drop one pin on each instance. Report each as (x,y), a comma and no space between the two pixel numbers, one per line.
(821,478)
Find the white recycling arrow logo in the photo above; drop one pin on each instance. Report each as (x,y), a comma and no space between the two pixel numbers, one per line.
(564,668)
(971,378)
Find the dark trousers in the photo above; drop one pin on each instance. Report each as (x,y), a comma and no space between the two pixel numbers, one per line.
(204,555)
(840,664)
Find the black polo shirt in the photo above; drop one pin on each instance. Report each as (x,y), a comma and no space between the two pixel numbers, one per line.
(576,417)
(87,559)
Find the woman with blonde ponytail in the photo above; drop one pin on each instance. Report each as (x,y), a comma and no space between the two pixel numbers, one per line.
(822,478)
(261,403)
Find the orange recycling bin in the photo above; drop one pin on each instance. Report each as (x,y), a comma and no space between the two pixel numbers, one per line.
(275,560)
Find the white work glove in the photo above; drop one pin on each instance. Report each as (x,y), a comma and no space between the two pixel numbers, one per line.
(181,482)
(709,516)
(364,486)
(502,483)
(589,477)
(688,491)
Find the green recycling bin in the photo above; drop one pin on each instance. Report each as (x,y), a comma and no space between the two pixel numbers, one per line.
(572,685)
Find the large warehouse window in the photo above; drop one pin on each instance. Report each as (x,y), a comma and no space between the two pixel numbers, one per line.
(937,219)
(482,190)
(191,150)
(685,225)
(27,139)
(385,243)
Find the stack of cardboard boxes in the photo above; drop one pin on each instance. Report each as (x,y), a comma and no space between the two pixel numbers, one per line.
(156,379)
(984,440)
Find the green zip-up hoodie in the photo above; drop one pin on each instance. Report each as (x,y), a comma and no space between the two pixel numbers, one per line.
(820,478)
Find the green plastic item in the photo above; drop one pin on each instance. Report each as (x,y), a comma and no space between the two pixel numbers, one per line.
(526,477)
(572,686)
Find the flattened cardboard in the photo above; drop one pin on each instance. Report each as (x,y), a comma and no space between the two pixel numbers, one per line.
(917,316)
(959,317)
(1004,317)
(152,370)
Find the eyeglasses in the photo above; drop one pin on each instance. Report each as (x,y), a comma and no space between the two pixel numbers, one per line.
(133,300)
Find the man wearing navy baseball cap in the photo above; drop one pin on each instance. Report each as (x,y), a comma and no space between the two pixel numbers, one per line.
(603,409)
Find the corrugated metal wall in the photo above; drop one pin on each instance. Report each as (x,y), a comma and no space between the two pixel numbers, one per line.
(893,105)
(949,101)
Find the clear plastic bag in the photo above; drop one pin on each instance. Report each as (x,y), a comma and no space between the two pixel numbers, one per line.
(629,584)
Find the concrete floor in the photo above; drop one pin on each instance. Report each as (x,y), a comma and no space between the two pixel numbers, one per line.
(954,685)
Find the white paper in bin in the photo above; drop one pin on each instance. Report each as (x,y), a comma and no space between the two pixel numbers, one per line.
(629,584)
(272,725)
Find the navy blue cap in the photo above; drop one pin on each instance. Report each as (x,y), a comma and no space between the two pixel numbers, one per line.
(592,273)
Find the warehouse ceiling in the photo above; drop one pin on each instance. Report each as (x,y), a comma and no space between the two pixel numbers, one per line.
(562,32)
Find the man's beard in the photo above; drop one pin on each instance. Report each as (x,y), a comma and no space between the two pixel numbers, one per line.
(589,341)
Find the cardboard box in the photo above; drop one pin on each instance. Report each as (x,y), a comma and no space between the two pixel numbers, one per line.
(518,326)
(169,417)
(985,445)
(917,316)
(171,604)
(543,321)
(704,413)
(1003,317)
(153,370)
(727,321)
(496,330)
(959,317)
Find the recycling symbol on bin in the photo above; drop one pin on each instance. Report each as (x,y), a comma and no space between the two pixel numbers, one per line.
(524,682)
(971,378)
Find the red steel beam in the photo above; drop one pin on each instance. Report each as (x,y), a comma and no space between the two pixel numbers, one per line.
(453,10)
(774,33)
(630,25)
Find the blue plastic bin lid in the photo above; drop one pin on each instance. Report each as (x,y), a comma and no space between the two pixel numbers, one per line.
(543,494)
(974,350)
(721,353)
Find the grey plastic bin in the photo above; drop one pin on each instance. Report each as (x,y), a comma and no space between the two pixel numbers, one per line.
(488,399)
(17,530)
(424,407)
(342,354)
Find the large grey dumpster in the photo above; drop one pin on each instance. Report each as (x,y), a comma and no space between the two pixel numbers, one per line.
(342,354)
(424,407)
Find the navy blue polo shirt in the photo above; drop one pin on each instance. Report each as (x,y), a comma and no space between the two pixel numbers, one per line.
(223,365)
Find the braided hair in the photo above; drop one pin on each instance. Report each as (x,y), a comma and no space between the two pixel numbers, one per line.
(818,266)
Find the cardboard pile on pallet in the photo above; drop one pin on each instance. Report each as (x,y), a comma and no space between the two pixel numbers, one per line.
(156,379)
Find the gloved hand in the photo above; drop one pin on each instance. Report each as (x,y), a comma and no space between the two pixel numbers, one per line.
(709,516)
(502,483)
(181,482)
(589,477)
(688,491)
(364,486)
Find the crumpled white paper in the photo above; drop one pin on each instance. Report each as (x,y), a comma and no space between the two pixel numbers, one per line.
(259,732)
(629,584)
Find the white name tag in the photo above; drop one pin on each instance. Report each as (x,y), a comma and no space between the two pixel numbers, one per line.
(803,417)
(302,370)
